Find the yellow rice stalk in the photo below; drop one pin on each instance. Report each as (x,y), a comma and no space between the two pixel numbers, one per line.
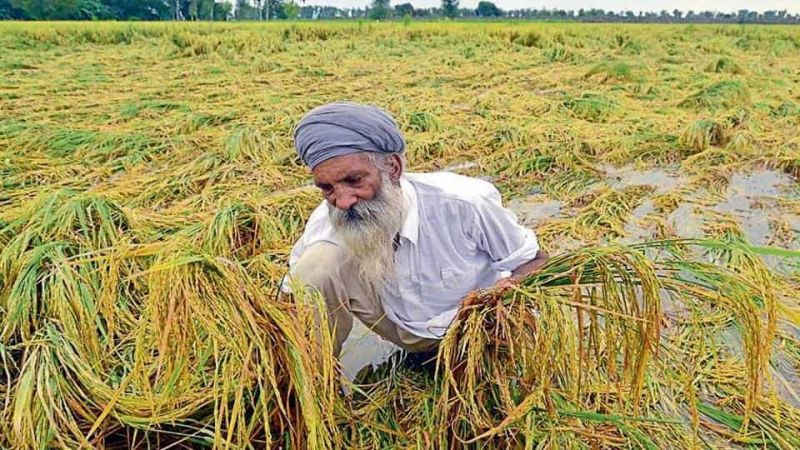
(577,341)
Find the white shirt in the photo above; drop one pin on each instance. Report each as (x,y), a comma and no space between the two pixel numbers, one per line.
(457,237)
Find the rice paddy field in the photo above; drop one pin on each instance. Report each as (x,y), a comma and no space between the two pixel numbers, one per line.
(151,193)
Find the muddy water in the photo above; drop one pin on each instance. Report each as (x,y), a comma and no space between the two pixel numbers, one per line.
(661,180)
(534,209)
(751,199)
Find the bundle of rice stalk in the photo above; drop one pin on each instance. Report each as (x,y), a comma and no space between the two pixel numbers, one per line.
(247,228)
(571,352)
(704,133)
(6,233)
(206,313)
(248,145)
(90,220)
(286,213)
(205,358)
(234,231)
(723,94)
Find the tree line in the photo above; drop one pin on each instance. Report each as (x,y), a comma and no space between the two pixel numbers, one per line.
(377,10)
(148,9)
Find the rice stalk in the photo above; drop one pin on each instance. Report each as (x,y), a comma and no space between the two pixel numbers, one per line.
(595,316)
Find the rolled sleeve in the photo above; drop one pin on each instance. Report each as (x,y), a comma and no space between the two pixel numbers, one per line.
(497,231)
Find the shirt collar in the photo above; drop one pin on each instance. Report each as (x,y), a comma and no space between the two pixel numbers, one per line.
(410,229)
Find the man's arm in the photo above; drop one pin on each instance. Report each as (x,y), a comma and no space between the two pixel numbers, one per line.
(522,272)
(511,246)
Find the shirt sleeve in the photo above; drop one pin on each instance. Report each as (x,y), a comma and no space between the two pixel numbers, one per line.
(496,230)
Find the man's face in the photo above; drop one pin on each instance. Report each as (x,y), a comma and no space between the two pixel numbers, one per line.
(368,211)
(347,180)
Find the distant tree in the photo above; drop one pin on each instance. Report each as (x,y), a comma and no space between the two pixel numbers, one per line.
(142,9)
(178,9)
(488,9)
(380,10)
(450,8)
(93,9)
(49,9)
(424,12)
(289,10)
(743,14)
(245,11)
(9,11)
(194,9)
(404,9)
(270,9)
(223,11)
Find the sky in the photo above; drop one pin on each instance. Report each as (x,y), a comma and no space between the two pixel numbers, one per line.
(793,6)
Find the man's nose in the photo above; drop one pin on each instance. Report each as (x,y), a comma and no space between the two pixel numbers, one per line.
(345,201)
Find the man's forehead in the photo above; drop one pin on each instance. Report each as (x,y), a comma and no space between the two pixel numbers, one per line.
(342,166)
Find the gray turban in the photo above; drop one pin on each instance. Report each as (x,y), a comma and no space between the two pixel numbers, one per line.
(343,128)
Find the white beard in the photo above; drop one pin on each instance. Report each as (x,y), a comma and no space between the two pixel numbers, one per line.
(367,231)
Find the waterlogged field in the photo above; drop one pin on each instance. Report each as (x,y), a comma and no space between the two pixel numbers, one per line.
(150,195)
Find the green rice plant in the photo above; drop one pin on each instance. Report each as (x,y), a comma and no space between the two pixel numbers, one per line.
(704,133)
(785,109)
(626,44)
(590,107)
(195,121)
(506,135)
(64,143)
(526,39)
(558,53)
(115,150)
(526,162)
(724,94)
(613,70)
(32,283)
(725,64)
(131,110)
(423,121)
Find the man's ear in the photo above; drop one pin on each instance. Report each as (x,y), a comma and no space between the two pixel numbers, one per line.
(395,167)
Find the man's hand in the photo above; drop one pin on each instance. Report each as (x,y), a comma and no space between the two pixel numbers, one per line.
(504,285)
(522,272)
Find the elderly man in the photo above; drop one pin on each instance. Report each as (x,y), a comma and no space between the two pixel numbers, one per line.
(399,251)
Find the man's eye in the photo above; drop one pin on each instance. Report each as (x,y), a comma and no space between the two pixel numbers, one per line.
(353,180)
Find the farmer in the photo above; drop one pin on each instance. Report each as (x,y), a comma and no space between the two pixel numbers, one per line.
(397,250)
